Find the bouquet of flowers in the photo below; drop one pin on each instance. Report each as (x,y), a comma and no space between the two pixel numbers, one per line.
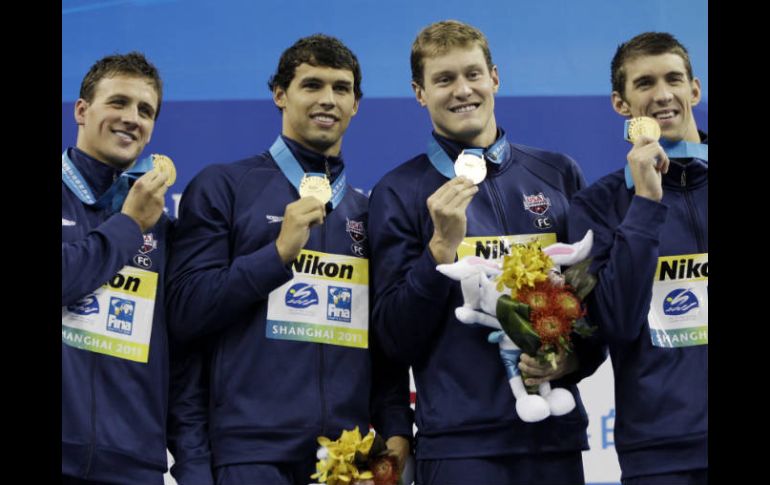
(543,307)
(355,460)
(537,313)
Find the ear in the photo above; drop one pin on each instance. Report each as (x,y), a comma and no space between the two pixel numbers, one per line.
(620,105)
(419,93)
(355,107)
(495,79)
(696,91)
(81,105)
(279,97)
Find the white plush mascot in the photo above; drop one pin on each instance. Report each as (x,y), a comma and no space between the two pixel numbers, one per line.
(480,297)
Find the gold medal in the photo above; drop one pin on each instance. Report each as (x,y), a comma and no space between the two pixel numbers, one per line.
(643,126)
(314,186)
(164,164)
(472,166)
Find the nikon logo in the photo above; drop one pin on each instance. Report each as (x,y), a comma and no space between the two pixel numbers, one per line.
(684,268)
(492,249)
(129,283)
(311,264)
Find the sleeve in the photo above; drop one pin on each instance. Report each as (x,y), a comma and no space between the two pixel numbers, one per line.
(390,410)
(208,288)
(187,433)
(88,263)
(406,284)
(625,256)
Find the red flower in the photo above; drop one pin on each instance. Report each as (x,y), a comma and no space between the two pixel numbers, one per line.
(385,470)
(567,304)
(550,326)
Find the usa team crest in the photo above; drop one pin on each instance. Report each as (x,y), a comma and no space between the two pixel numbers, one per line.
(537,204)
(356,230)
(150,243)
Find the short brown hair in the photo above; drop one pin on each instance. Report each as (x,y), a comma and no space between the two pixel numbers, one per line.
(438,38)
(316,50)
(131,64)
(646,44)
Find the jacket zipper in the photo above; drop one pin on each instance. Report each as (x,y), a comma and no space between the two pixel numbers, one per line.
(498,205)
(321,351)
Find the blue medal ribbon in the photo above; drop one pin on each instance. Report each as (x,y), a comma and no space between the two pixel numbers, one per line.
(115,195)
(292,170)
(699,152)
(446,167)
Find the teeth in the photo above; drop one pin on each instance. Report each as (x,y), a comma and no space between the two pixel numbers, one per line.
(464,109)
(124,135)
(326,119)
(665,115)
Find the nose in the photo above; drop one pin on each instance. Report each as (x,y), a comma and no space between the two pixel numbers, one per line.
(130,115)
(327,98)
(663,94)
(462,88)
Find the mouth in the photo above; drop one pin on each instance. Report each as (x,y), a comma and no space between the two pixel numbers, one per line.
(665,115)
(324,119)
(464,108)
(125,136)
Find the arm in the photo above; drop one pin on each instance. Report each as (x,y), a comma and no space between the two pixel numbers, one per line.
(208,288)
(89,262)
(392,415)
(404,276)
(188,438)
(625,256)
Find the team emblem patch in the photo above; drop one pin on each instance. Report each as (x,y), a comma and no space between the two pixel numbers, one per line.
(150,243)
(537,203)
(356,230)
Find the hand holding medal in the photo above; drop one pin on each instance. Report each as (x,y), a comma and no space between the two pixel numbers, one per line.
(647,160)
(315,186)
(472,166)
(164,165)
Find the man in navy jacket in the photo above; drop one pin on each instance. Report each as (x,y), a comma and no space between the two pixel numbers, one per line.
(468,430)
(114,343)
(650,223)
(270,265)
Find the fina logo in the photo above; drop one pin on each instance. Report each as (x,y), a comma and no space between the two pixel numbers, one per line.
(121,316)
(680,301)
(301,295)
(340,299)
(85,306)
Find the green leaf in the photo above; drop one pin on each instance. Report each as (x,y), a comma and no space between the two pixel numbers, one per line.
(583,328)
(578,277)
(517,328)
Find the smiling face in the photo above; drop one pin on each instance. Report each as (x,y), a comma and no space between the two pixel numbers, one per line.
(459,89)
(117,123)
(317,107)
(658,86)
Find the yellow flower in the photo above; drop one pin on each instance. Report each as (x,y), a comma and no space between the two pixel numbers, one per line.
(526,265)
(338,468)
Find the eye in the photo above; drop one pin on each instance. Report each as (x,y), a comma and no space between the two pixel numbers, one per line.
(474,75)
(312,85)
(342,88)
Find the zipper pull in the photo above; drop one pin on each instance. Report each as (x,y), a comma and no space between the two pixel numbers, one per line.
(683,180)
(328,171)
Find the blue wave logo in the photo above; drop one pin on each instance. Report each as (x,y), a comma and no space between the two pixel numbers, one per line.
(85,306)
(301,295)
(680,301)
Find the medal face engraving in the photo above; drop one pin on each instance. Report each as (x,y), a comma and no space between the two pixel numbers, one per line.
(471,166)
(643,126)
(166,166)
(318,187)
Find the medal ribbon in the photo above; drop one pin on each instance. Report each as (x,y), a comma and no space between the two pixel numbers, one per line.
(115,195)
(292,170)
(446,167)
